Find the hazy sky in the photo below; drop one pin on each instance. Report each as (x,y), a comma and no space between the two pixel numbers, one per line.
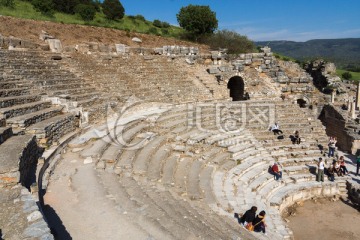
(297,20)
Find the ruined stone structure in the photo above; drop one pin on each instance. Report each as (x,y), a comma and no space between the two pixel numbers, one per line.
(196,157)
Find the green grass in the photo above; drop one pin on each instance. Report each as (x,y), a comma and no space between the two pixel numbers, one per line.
(355,75)
(285,58)
(26,10)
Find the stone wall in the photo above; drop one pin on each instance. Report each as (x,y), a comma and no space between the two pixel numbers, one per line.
(323,73)
(353,191)
(12,42)
(28,163)
(20,217)
(341,126)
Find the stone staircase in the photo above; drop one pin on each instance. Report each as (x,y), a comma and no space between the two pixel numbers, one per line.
(150,78)
(37,93)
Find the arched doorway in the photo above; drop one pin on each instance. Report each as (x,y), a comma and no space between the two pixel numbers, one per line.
(236,86)
(301,102)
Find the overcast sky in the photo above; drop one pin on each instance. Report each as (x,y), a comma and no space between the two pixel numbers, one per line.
(261,20)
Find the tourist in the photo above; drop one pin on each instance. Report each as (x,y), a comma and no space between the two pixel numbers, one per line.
(248,216)
(276,129)
(296,138)
(337,168)
(276,170)
(331,172)
(342,165)
(357,164)
(332,143)
(321,167)
(259,222)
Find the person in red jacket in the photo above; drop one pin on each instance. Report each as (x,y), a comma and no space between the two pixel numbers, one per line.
(276,170)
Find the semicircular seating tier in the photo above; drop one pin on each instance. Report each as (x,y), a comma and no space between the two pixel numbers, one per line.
(215,157)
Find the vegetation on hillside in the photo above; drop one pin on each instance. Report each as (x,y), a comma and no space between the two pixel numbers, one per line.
(198,22)
(352,76)
(345,53)
(232,41)
(24,9)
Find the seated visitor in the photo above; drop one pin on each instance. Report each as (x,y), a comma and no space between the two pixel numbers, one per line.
(337,168)
(342,165)
(331,172)
(248,216)
(276,170)
(259,222)
(296,138)
(276,129)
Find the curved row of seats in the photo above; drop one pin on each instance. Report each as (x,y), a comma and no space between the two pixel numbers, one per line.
(186,152)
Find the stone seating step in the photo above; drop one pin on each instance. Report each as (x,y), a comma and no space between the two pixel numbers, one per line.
(122,194)
(23,109)
(241,139)
(52,129)
(205,184)
(289,170)
(57,87)
(13,159)
(141,161)
(126,158)
(157,161)
(71,91)
(181,174)
(5,133)
(14,84)
(34,117)
(169,168)
(193,182)
(110,155)
(218,187)
(12,92)
(251,151)
(2,121)
(296,161)
(96,147)
(79,97)
(11,101)
(301,191)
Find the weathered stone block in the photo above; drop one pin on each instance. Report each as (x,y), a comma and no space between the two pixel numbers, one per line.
(54,45)
(213,70)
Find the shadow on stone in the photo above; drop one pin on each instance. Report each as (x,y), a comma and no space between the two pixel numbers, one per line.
(1,235)
(57,228)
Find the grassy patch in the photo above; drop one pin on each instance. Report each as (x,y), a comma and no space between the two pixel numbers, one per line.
(354,75)
(24,9)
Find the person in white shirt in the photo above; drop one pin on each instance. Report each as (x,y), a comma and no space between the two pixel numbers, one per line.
(276,129)
(321,167)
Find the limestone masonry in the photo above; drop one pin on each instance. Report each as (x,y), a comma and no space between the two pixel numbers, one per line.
(161,123)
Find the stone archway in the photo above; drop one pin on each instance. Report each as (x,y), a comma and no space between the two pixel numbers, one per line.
(236,86)
(301,102)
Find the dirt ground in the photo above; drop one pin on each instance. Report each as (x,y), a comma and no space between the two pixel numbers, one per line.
(325,219)
(71,34)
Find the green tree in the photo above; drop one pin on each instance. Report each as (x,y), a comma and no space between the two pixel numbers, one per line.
(7,3)
(197,20)
(46,7)
(233,41)
(157,23)
(113,9)
(86,12)
(66,6)
(346,75)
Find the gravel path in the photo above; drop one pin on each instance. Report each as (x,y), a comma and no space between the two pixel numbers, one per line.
(76,196)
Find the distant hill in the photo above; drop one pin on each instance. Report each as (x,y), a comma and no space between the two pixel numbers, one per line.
(345,53)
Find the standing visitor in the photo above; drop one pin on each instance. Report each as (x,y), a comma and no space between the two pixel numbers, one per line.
(332,143)
(321,167)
